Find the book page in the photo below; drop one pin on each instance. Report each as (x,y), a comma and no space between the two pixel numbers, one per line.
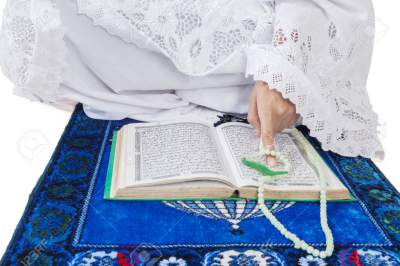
(241,140)
(175,150)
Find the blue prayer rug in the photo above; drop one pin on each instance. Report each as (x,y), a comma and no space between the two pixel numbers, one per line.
(67,221)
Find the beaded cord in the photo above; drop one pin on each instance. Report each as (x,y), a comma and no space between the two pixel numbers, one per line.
(269,175)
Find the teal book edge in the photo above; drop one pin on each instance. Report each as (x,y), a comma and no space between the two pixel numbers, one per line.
(110,169)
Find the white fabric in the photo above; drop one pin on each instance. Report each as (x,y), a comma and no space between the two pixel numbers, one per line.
(32,48)
(127,81)
(321,65)
(197,35)
(316,52)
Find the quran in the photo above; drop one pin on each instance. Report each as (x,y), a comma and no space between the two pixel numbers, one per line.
(180,160)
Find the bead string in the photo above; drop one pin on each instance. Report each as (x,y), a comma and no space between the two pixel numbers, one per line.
(298,243)
(279,156)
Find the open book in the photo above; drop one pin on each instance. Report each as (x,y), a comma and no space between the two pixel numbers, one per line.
(192,160)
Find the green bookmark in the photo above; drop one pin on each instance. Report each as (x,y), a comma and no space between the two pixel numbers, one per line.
(263,169)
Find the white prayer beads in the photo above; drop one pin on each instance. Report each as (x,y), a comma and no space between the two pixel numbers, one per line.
(279,156)
(298,243)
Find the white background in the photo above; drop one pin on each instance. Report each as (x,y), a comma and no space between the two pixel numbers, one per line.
(29,131)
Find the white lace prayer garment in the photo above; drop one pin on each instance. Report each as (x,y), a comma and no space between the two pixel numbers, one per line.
(158,59)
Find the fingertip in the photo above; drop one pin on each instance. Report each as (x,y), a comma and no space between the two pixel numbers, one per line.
(271,161)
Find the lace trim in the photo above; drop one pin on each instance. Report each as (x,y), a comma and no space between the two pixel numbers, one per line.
(197,36)
(33,48)
(320,114)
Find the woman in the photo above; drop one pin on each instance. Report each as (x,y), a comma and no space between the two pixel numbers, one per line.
(277,60)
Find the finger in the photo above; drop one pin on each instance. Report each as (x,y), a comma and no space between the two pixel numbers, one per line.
(295,120)
(252,116)
(271,160)
(267,124)
(286,112)
(290,122)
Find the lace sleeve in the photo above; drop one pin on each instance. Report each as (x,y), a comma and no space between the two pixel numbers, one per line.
(319,59)
(32,48)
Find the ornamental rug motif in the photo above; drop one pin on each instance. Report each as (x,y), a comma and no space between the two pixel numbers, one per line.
(67,221)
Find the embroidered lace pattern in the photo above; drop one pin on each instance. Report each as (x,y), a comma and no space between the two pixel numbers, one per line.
(323,71)
(197,35)
(32,48)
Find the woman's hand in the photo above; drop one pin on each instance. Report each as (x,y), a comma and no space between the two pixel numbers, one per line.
(269,113)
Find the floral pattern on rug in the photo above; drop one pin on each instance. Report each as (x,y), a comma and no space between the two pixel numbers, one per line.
(246,257)
(238,257)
